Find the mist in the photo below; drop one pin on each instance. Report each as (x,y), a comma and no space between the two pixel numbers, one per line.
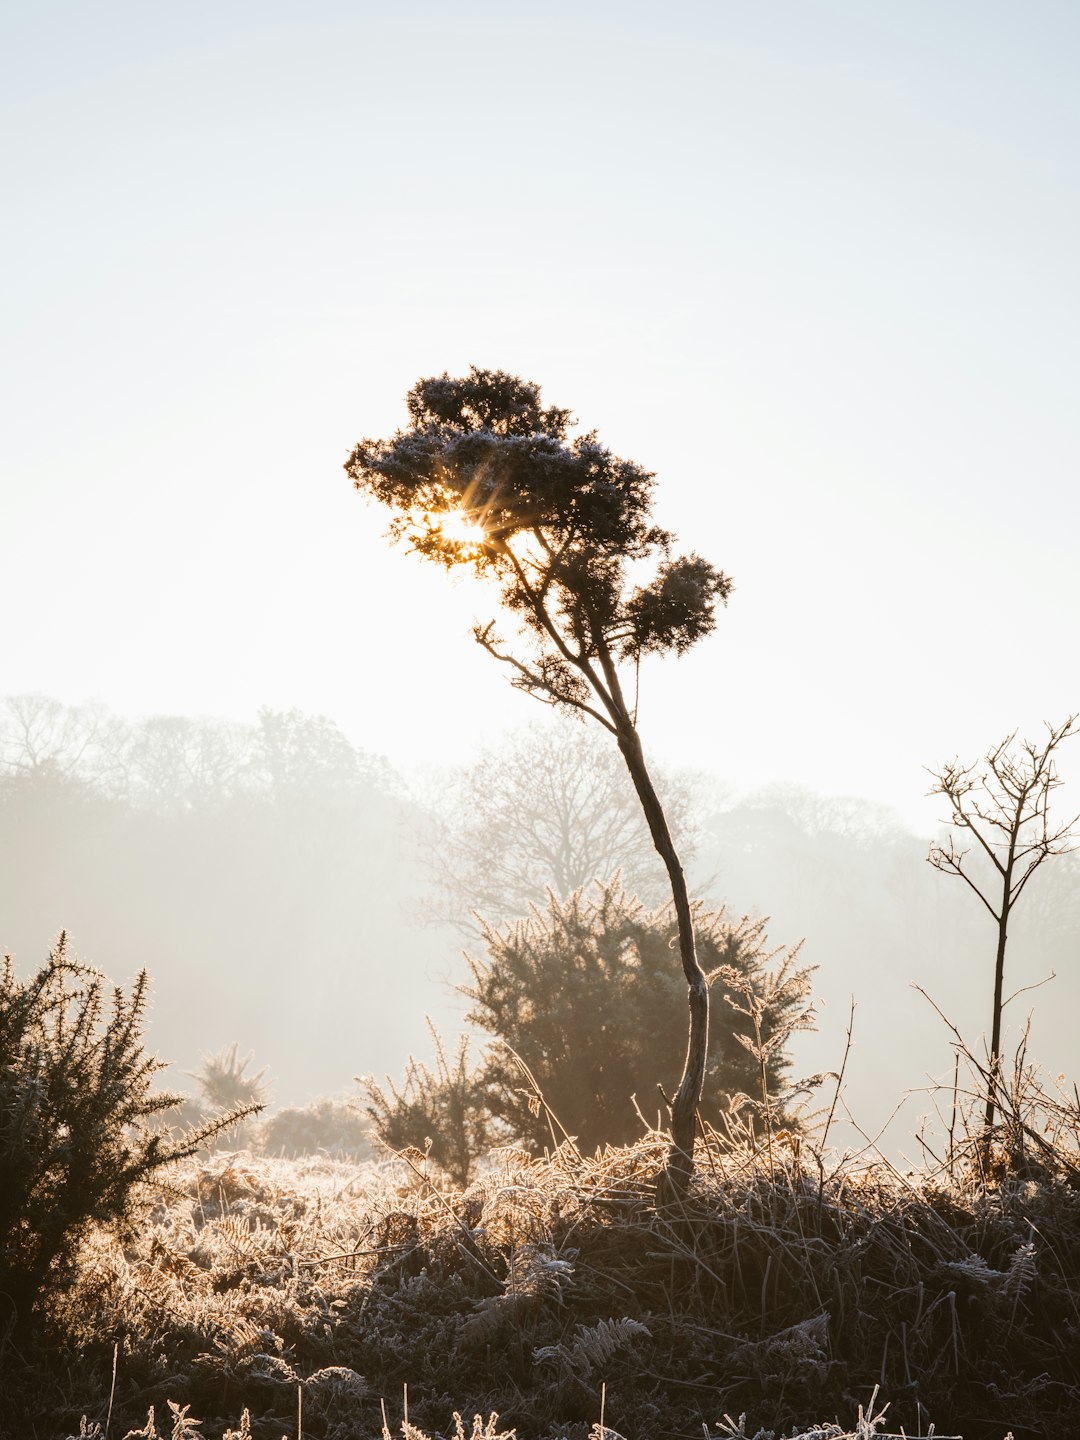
(292,892)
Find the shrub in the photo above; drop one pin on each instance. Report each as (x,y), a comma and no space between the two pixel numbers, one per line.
(76,1142)
(225,1087)
(441,1112)
(592,1013)
(326,1126)
(222,1083)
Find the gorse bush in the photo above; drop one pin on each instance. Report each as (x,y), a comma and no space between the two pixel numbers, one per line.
(224,1087)
(442,1112)
(223,1082)
(76,1139)
(590,1011)
(326,1126)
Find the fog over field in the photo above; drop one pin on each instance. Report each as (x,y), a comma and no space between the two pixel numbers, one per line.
(295,894)
(812,266)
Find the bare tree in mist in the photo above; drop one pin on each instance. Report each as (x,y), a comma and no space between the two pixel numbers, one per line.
(546,811)
(44,741)
(230,852)
(1002,802)
(486,477)
(171,764)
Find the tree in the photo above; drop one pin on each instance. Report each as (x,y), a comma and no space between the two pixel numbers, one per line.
(583,996)
(177,765)
(485,476)
(46,743)
(307,758)
(550,809)
(1003,802)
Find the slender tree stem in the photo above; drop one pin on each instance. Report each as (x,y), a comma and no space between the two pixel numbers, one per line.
(995,1037)
(677,1172)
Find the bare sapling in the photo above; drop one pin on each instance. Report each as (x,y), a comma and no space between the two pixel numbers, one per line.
(1002,803)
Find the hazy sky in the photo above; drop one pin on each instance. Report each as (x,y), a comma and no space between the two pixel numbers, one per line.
(814,263)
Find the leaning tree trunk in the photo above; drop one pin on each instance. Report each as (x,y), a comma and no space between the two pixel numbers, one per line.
(675,1177)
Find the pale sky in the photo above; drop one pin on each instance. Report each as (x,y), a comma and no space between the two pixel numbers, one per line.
(813,263)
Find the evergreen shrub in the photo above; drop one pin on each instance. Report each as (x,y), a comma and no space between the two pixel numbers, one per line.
(590,1010)
(76,1136)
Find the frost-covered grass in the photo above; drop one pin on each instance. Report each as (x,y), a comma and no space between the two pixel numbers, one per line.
(314,1299)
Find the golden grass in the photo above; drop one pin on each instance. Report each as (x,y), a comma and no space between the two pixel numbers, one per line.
(552,1294)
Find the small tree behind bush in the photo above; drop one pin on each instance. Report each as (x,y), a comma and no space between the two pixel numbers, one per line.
(76,1141)
(584,996)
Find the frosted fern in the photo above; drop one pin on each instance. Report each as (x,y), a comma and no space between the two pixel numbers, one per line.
(594,1346)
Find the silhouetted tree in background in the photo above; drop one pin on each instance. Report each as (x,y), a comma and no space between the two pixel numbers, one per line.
(43,740)
(550,808)
(237,855)
(485,476)
(1003,803)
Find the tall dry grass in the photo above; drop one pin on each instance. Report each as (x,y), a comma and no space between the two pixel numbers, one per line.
(791,1286)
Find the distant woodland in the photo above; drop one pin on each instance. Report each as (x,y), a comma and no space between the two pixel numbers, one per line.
(291,892)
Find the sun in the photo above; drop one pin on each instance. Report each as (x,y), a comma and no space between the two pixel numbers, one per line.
(460,530)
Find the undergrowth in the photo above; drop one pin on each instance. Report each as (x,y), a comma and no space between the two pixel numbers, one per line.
(316,1295)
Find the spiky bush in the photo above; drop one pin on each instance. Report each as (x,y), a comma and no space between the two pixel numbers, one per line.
(224,1083)
(224,1087)
(442,1112)
(76,1139)
(591,1013)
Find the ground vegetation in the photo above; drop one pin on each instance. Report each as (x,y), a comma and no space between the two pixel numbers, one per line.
(789,1286)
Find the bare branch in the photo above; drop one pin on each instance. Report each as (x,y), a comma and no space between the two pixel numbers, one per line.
(1003,802)
(534,683)
(950,862)
(1036,985)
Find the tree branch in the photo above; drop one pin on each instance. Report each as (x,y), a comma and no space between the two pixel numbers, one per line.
(534,682)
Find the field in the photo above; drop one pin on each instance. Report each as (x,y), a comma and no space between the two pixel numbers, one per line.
(325,1300)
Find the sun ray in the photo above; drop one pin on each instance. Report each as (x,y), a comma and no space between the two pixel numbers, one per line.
(461,529)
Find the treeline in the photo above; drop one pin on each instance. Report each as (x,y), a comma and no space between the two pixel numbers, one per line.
(272,877)
(265,874)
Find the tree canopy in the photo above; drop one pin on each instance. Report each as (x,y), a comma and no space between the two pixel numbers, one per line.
(486,476)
